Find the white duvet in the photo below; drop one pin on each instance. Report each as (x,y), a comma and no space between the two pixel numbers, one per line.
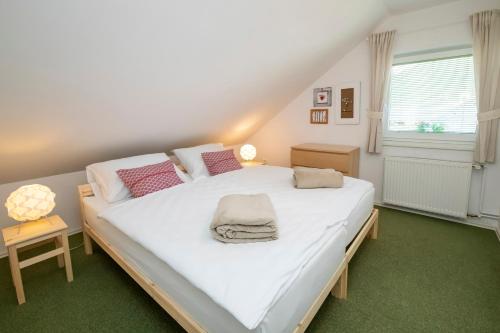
(245,279)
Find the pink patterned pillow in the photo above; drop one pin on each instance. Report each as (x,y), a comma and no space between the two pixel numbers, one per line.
(150,178)
(218,162)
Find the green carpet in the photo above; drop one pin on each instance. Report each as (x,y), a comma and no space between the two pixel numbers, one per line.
(421,275)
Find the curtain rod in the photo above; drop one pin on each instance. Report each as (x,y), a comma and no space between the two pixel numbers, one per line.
(427,28)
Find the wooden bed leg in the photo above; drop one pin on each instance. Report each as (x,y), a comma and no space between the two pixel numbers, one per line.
(87,243)
(374,231)
(85,191)
(340,289)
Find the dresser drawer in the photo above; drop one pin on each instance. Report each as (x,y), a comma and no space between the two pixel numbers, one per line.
(342,158)
(313,159)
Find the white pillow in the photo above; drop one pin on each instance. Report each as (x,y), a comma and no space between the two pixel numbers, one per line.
(111,186)
(95,189)
(192,161)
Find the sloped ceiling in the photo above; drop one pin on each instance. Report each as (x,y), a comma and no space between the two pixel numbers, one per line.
(85,81)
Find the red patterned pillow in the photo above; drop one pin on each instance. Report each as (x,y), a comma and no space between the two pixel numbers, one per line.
(150,178)
(218,162)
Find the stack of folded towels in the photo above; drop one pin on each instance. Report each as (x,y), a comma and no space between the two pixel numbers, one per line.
(316,178)
(244,218)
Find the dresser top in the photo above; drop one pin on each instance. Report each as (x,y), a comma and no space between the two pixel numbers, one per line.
(323,147)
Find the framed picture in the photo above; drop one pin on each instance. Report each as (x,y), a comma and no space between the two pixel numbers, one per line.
(322,97)
(347,103)
(319,116)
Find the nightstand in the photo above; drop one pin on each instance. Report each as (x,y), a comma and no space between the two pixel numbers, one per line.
(31,234)
(252,163)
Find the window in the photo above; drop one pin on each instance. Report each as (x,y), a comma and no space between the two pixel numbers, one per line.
(433,96)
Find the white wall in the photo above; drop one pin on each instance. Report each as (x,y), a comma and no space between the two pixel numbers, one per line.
(67,204)
(435,27)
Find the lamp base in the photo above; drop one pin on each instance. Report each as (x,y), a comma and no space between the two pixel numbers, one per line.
(252,163)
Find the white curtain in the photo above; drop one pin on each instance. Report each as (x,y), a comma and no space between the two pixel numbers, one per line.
(381,45)
(486,49)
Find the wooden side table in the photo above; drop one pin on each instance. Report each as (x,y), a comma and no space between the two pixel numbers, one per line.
(252,163)
(31,234)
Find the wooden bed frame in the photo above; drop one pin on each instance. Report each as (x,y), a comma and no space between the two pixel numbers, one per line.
(336,285)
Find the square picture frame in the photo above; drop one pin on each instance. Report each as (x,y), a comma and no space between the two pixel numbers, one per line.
(318,116)
(347,103)
(322,97)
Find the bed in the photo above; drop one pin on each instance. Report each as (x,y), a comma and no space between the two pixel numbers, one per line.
(195,305)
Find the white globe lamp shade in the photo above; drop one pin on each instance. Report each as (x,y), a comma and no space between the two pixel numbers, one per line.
(30,202)
(248,152)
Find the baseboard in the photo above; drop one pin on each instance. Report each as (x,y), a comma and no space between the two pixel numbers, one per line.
(70,232)
(480,222)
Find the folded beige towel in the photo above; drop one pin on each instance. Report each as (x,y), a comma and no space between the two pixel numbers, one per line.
(314,178)
(244,218)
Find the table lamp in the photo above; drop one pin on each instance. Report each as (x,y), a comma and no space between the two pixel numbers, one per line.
(30,202)
(248,152)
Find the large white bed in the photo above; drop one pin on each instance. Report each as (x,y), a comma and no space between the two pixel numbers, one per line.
(296,292)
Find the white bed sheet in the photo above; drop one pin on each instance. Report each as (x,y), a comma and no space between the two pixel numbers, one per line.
(282,317)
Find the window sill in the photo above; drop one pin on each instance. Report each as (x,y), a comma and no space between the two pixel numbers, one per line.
(463,144)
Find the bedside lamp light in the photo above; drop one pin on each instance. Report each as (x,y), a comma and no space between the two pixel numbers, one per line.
(30,202)
(248,152)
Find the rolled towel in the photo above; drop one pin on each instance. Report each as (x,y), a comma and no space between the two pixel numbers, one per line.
(244,218)
(316,178)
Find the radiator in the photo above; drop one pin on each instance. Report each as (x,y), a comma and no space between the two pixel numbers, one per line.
(429,185)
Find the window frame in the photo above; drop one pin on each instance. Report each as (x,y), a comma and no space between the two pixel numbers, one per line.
(458,141)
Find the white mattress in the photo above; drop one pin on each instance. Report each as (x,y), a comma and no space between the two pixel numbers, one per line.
(279,318)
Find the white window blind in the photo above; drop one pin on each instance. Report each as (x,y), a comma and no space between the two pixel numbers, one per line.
(433,96)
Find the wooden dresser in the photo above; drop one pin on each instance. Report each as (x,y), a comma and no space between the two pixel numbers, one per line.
(339,157)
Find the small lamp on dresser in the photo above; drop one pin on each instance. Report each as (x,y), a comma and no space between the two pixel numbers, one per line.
(30,205)
(248,153)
